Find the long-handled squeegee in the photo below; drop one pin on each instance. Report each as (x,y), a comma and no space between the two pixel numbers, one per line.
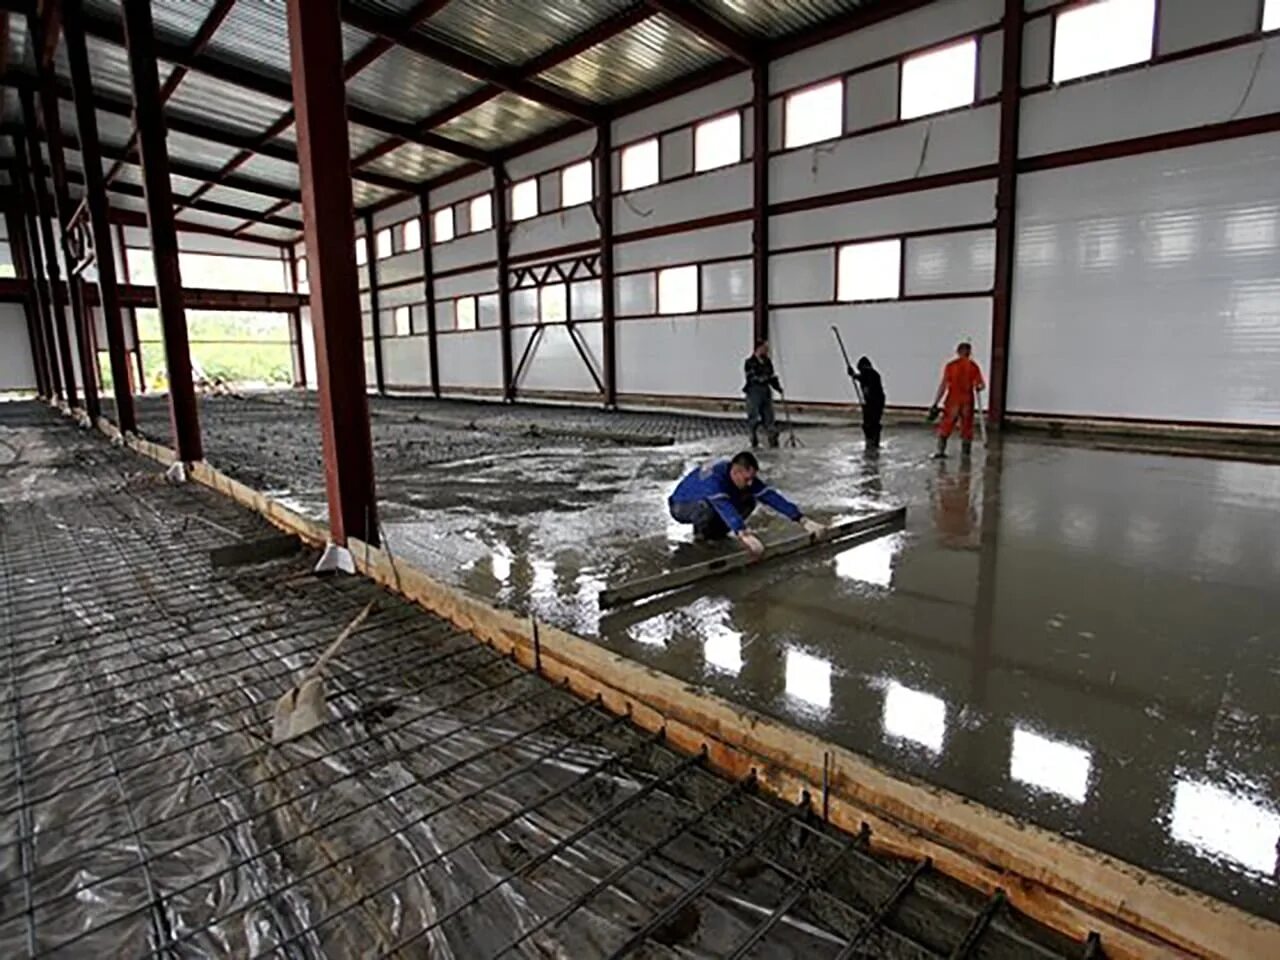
(857,387)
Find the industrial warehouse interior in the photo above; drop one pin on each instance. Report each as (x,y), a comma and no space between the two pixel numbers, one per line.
(640,478)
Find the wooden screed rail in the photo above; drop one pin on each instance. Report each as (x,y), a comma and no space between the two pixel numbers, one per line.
(870,527)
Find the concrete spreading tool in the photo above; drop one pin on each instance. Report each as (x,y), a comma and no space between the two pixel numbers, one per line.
(301,709)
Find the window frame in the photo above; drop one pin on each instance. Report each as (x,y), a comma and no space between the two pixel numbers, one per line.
(531,183)
(656,141)
(396,313)
(471,212)
(405,247)
(697,289)
(362,250)
(436,214)
(1054,34)
(837,82)
(975,41)
(708,121)
(899,284)
(590,167)
(390,244)
(475,313)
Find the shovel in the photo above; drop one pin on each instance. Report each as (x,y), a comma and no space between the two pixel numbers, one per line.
(301,709)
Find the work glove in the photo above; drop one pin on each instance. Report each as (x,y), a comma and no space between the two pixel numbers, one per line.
(812,527)
(776,384)
(850,372)
(751,543)
(932,415)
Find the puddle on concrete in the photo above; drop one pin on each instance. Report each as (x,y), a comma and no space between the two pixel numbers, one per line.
(1084,638)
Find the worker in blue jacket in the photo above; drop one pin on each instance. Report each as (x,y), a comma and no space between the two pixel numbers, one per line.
(718,497)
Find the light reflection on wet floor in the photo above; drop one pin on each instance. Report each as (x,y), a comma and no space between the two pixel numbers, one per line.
(1089,639)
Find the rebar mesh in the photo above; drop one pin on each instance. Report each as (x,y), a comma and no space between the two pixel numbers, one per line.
(453,805)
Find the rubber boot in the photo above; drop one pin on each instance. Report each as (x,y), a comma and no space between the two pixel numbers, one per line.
(773,439)
(755,440)
(941,452)
(966,448)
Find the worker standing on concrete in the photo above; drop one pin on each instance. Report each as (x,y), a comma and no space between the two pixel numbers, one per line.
(718,497)
(761,382)
(961,382)
(872,389)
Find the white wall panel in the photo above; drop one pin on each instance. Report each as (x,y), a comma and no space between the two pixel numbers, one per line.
(802,277)
(471,359)
(403,266)
(200,243)
(557,229)
(637,294)
(691,356)
(465,284)
(871,98)
(405,210)
(1149,287)
(726,285)
(730,240)
(16,369)
(708,194)
(990,63)
(465,251)
(399,295)
(714,98)
(1239,82)
(1190,23)
(944,207)
(675,158)
(951,262)
(468,186)
(558,154)
(1037,51)
(953,141)
(406,362)
(555,363)
(911,31)
(908,343)
(370,368)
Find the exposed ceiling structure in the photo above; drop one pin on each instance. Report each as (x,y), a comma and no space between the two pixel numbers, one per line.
(435,88)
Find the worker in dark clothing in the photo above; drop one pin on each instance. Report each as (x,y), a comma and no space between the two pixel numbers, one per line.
(718,497)
(871,388)
(761,382)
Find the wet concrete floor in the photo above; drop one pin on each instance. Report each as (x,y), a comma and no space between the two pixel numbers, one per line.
(1089,639)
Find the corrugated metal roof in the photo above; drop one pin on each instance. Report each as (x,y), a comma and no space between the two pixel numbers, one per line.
(18,53)
(124,202)
(241,198)
(414,162)
(227,104)
(363,194)
(174,19)
(256,31)
(513,31)
(502,121)
(778,18)
(270,170)
(109,66)
(184,186)
(191,149)
(650,54)
(211,219)
(361,138)
(267,231)
(406,86)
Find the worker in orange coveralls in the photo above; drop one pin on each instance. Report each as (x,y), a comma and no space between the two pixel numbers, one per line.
(961,382)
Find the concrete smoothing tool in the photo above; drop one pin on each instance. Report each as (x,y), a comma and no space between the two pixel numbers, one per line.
(301,709)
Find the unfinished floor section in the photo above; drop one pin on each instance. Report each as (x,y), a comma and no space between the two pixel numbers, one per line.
(454,805)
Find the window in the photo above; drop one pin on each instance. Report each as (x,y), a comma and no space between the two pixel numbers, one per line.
(404,321)
(553,303)
(481,213)
(302,280)
(575,184)
(814,114)
(718,142)
(465,312)
(871,271)
(442,225)
(362,251)
(383,240)
(1271,15)
(411,234)
(1102,36)
(524,199)
(939,80)
(640,164)
(678,290)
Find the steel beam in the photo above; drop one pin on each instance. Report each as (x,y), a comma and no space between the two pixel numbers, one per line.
(295,320)
(17,232)
(502,233)
(375,320)
(760,200)
(608,312)
(44,217)
(183,410)
(1006,208)
(315,45)
(429,290)
(87,125)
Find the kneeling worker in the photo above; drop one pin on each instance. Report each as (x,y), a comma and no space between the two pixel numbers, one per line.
(717,499)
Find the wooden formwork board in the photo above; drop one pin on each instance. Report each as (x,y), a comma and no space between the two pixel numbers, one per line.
(1076,890)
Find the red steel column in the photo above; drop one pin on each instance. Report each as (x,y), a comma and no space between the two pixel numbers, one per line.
(1006,208)
(40,288)
(30,303)
(608,313)
(375,308)
(100,223)
(429,289)
(295,326)
(44,217)
(319,98)
(760,199)
(184,414)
